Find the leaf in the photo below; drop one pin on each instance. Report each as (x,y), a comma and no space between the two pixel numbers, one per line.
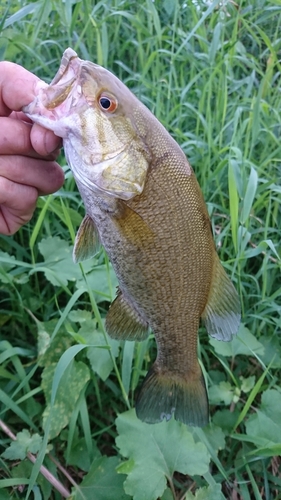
(6,266)
(72,382)
(247,383)
(59,266)
(271,404)
(101,282)
(79,315)
(168,495)
(249,196)
(100,359)
(243,343)
(266,422)
(24,443)
(208,493)
(223,392)
(102,482)
(59,344)
(79,456)
(156,452)
(226,419)
(272,351)
(24,468)
(215,437)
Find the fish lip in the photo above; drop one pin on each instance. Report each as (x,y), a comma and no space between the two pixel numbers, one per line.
(67,59)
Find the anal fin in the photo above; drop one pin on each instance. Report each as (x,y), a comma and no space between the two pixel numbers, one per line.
(123,321)
(87,242)
(222,313)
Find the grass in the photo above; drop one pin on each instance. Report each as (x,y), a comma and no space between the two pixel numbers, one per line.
(211,74)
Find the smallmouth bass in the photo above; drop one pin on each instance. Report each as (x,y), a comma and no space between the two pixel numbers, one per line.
(143,203)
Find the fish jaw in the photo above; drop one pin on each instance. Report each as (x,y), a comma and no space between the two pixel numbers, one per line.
(103,150)
(55,103)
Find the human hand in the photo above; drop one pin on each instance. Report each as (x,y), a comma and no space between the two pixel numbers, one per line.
(27,151)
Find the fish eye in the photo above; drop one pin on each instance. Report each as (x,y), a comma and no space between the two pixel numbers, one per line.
(107,103)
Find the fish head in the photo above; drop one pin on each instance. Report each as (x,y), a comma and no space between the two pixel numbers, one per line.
(98,119)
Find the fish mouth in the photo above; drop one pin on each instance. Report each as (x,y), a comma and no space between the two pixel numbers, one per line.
(56,101)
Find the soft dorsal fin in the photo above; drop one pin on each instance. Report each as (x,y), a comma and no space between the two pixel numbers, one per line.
(87,241)
(222,313)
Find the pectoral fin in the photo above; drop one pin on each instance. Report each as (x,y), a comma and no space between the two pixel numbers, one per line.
(123,322)
(87,241)
(222,313)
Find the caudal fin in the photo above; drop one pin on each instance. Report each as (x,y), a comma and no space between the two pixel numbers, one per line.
(165,393)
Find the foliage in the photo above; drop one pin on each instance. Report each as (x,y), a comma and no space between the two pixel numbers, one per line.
(211,73)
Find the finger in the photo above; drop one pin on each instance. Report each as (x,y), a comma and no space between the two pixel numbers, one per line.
(46,176)
(44,141)
(17,204)
(17,87)
(19,115)
(15,139)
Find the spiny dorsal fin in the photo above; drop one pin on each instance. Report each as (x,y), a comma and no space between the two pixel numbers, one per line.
(222,313)
(123,322)
(86,243)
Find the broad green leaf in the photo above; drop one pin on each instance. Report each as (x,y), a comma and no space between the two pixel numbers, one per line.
(72,382)
(102,283)
(271,404)
(100,359)
(225,419)
(6,266)
(215,437)
(102,482)
(79,456)
(247,383)
(266,422)
(223,392)
(59,266)
(207,493)
(243,343)
(57,347)
(79,315)
(5,495)
(157,451)
(272,351)
(24,443)
(167,495)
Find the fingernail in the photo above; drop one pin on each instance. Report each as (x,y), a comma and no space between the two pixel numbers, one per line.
(51,142)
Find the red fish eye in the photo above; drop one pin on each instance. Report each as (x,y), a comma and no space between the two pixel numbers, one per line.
(107,103)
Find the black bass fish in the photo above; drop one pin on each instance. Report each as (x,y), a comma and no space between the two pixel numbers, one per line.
(144,204)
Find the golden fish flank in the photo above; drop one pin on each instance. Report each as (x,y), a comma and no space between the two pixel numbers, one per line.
(145,206)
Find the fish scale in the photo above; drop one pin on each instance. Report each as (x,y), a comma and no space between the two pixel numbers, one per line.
(144,204)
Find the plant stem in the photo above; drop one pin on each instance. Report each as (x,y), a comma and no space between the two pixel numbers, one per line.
(44,471)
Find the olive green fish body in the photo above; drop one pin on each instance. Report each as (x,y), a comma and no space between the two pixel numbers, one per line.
(144,204)
(163,259)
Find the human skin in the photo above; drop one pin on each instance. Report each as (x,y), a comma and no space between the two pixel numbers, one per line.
(27,151)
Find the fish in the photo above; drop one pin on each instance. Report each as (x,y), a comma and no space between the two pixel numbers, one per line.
(144,205)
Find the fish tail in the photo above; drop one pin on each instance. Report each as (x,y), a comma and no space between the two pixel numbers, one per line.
(165,393)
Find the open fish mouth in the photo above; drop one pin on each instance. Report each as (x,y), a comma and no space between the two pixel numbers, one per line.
(55,102)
